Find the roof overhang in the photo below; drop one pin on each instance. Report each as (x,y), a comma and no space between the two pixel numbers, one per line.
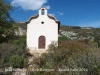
(51,17)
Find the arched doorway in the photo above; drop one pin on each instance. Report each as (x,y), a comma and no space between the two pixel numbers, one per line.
(41,42)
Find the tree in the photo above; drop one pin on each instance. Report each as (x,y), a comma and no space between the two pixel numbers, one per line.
(6,22)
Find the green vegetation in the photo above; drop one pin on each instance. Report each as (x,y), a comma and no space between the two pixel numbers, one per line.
(6,22)
(8,50)
(13,50)
(75,54)
(63,38)
(97,39)
(83,54)
(19,40)
(91,32)
(18,61)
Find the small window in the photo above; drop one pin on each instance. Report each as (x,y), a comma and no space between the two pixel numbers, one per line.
(42,22)
(42,12)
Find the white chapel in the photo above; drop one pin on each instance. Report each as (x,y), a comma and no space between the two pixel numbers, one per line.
(42,29)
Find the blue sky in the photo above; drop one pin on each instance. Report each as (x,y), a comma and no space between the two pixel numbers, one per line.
(84,13)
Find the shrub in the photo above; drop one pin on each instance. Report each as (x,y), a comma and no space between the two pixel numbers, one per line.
(17,61)
(16,42)
(97,39)
(89,60)
(19,40)
(7,50)
(63,38)
(69,54)
(6,73)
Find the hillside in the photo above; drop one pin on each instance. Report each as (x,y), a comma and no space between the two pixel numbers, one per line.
(73,53)
(72,32)
(76,32)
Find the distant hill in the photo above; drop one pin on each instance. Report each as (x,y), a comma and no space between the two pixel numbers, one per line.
(22,25)
(76,32)
(72,32)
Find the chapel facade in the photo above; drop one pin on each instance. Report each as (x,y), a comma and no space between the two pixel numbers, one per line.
(42,29)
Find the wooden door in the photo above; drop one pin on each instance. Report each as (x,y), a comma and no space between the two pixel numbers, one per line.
(41,43)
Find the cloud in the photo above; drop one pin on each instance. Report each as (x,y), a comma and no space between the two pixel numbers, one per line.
(90,24)
(29,4)
(52,14)
(60,13)
(48,7)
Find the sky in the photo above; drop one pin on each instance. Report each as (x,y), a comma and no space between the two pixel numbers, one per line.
(83,13)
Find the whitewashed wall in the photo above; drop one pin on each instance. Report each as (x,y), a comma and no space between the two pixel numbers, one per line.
(35,29)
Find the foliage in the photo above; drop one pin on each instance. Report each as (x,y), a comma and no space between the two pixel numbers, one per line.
(6,22)
(63,38)
(97,39)
(7,50)
(89,60)
(17,61)
(69,54)
(7,73)
(19,40)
